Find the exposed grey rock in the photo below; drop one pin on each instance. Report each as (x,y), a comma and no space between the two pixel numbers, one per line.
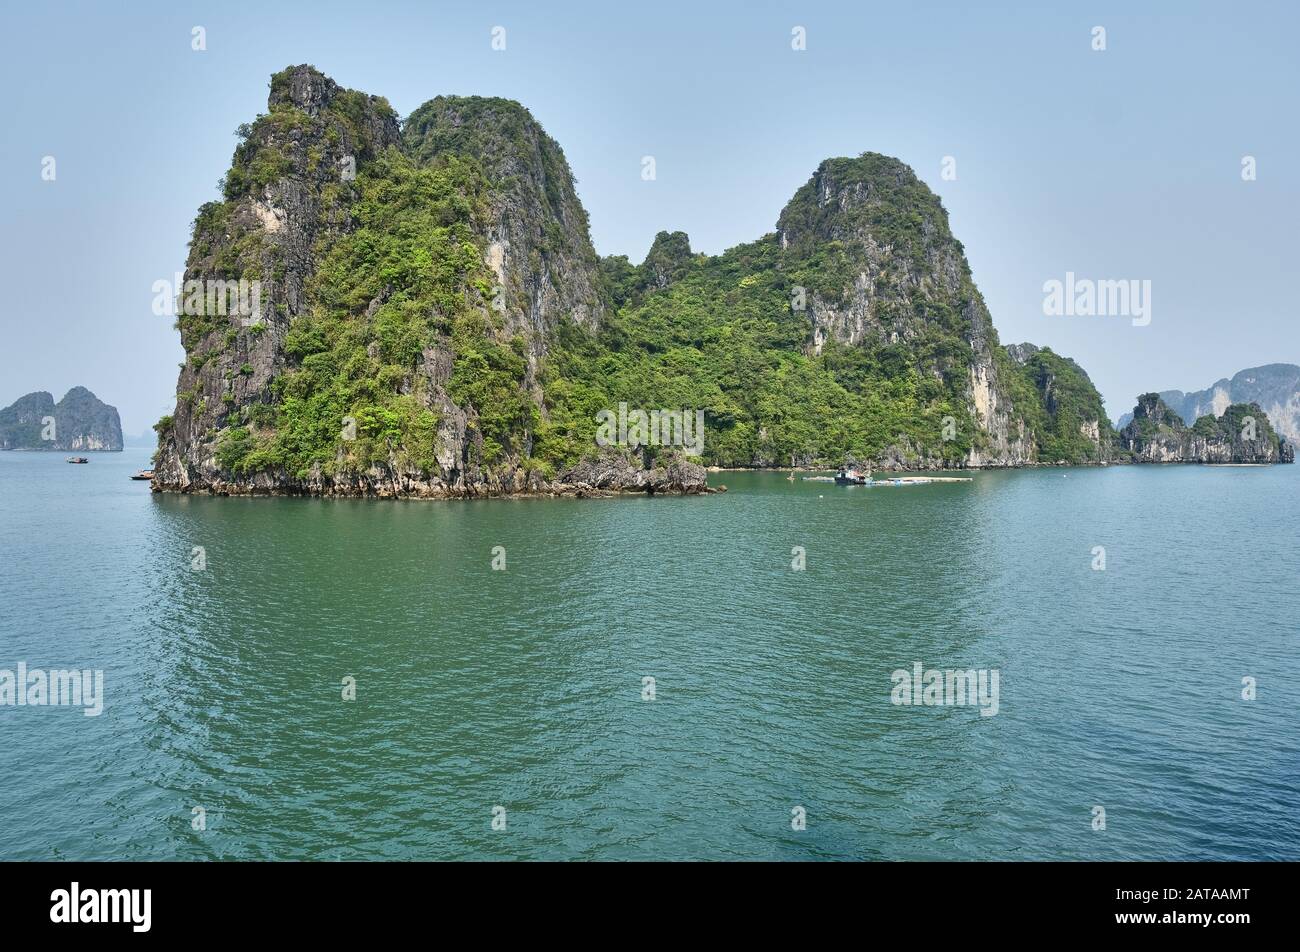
(625,472)
(607,473)
(1021,353)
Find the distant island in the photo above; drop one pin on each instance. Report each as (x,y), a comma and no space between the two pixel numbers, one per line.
(416,309)
(80,421)
(1275,388)
(1241,434)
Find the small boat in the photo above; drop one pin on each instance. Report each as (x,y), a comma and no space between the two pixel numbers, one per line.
(850,476)
(78,459)
(144,474)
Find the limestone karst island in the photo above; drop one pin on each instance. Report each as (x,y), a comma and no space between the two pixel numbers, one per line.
(80,421)
(431,319)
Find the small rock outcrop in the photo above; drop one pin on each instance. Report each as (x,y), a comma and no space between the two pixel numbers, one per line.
(668,260)
(625,472)
(80,421)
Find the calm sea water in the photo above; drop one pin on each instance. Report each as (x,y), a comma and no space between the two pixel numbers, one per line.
(523,688)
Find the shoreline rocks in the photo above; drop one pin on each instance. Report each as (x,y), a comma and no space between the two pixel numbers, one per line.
(607,474)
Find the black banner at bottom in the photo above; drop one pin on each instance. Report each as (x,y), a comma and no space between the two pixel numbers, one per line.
(214,901)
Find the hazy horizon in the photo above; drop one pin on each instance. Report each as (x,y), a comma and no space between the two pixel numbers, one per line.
(1112,165)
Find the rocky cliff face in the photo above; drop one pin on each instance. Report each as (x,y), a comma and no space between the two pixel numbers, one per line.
(1064,413)
(409,284)
(1242,434)
(291,185)
(80,421)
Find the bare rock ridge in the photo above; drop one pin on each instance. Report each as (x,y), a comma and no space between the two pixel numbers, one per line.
(80,421)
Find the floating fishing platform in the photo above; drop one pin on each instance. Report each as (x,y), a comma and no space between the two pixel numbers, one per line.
(916,480)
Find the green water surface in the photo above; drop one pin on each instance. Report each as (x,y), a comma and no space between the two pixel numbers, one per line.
(524,688)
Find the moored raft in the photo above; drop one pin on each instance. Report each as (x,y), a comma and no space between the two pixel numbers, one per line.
(852,478)
(917,480)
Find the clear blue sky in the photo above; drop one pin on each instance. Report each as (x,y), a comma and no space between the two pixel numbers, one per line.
(1119,164)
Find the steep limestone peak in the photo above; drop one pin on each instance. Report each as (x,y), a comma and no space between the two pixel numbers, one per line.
(1151,407)
(870,250)
(539,240)
(669,258)
(303,86)
(872,198)
(78,394)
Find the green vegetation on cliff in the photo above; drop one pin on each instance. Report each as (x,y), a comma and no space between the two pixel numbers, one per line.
(1060,406)
(409,276)
(724,337)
